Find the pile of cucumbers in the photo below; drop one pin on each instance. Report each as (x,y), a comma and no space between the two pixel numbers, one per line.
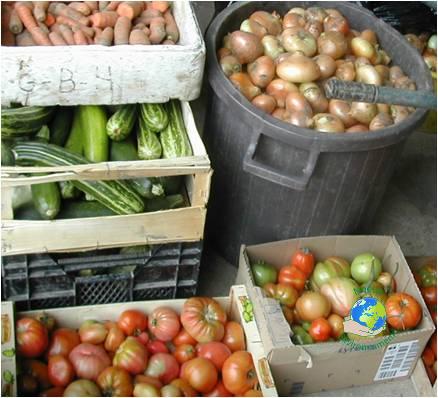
(65,136)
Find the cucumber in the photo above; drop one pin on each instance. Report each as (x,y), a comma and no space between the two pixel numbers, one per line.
(123,150)
(172,185)
(147,187)
(21,196)
(154,116)
(7,155)
(75,140)
(174,138)
(60,125)
(165,203)
(27,212)
(118,196)
(148,144)
(83,209)
(120,125)
(93,121)
(46,199)
(68,190)
(24,121)
(43,134)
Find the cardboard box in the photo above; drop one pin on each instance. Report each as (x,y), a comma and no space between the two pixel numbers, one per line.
(329,366)
(8,368)
(235,305)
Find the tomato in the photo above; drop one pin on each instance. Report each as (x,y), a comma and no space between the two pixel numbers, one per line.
(47,320)
(365,267)
(145,390)
(38,370)
(148,380)
(53,392)
(183,338)
(204,319)
(131,356)
(328,269)
(63,341)
(320,330)
(92,332)
(170,391)
(89,360)
(239,374)
(156,346)
(263,273)
(163,366)
(143,338)
(432,344)
(427,275)
(285,294)
(402,311)
(304,260)
(185,387)
(82,388)
(215,351)
(292,276)
(164,323)
(60,370)
(428,357)
(337,324)
(342,293)
(219,391)
(388,282)
(234,336)
(32,337)
(288,314)
(253,393)
(114,338)
(27,385)
(132,322)
(115,382)
(431,374)
(184,353)
(374,289)
(201,374)
(429,295)
(312,305)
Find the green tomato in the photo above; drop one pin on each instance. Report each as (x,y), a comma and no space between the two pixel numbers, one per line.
(264,273)
(330,268)
(427,275)
(366,267)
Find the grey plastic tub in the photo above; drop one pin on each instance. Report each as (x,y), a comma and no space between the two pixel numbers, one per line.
(273,180)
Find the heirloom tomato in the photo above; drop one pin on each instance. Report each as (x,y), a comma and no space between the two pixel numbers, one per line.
(292,276)
(131,356)
(60,370)
(239,374)
(62,341)
(215,351)
(164,323)
(132,322)
(163,367)
(82,388)
(403,311)
(115,382)
(234,337)
(201,374)
(89,360)
(32,337)
(285,294)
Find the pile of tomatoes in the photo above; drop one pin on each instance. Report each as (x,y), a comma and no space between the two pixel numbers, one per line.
(316,298)
(197,352)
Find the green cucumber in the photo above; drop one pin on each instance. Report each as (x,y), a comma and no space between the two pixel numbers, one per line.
(75,140)
(147,187)
(61,124)
(165,203)
(68,190)
(174,138)
(93,121)
(21,196)
(46,199)
(148,144)
(154,116)
(24,121)
(172,184)
(123,150)
(43,134)
(120,125)
(7,155)
(118,196)
(83,209)
(27,212)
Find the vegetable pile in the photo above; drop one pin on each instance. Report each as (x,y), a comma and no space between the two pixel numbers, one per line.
(143,355)
(66,136)
(44,23)
(281,63)
(316,299)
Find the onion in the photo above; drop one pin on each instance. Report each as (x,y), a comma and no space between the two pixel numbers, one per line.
(298,69)
(226,42)
(369,75)
(360,61)
(383,71)
(281,113)
(346,71)
(431,44)
(250,26)
(315,96)
(332,43)
(279,89)
(223,52)
(383,108)
(328,123)
(405,83)
(291,20)
(317,14)
(246,47)
(341,109)
(272,46)
(363,48)
(297,10)
(357,128)
(230,65)
(415,42)
(336,24)
(380,121)
(327,65)
(430,58)
(363,112)
(301,41)
(270,22)
(370,36)
(244,84)
(300,119)
(399,113)
(296,102)
(282,57)
(314,28)
(265,103)
(395,72)
(261,71)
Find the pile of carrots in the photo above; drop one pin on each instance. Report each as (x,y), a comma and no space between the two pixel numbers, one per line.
(51,23)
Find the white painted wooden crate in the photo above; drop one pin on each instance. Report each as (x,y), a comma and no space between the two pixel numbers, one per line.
(81,75)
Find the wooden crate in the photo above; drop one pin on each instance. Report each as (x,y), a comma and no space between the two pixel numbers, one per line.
(185,224)
(81,75)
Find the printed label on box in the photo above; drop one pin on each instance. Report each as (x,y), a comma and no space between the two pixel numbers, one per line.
(398,360)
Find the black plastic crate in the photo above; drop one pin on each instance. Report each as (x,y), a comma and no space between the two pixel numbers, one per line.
(100,277)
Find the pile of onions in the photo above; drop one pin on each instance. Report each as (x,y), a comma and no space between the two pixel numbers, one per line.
(280,66)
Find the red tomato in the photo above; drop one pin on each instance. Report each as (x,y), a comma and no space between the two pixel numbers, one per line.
(292,276)
(47,320)
(431,374)
(170,391)
(53,392)
(38,370)
(234,337)
(201,374)
(432,343)
(428,357)
(148,380)
(63,341)
(215,351)
(337,324)
(183,338)
(163,366)
(219,391)
(132,322)
(32,337)
(304,260)
(145,390)
(253,393)
(89,360)
(131,356)
(204,319)
(403,311)
(115,382)
(239,374)
(184,353)
(320,330)
(164,323)
(114,338)
(82,388)
(185,387)
(157,346)
(429,295)
(92,332)
(61,372)
(143,338)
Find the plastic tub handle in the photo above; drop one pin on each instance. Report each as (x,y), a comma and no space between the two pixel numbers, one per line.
(266,172)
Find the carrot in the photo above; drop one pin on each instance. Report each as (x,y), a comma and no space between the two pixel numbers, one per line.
(168,42)
(103,5)
(148,15)
(80,7)
(40,9)
(56,28)
(67,34)
(92,5)
(130,9)
(161,6)
(73,24)
(97,31)
(15,24)
(40,37)
(24,39)
(80,38)
(121,31)
(60,9)
(172,31)
(57,39)
(25,15)
(138,37)
(50,20)
(158,30)
(104,19)
(106,38)
(8,38)
(112,6)
(147,32)
(140,26)
(43,27)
